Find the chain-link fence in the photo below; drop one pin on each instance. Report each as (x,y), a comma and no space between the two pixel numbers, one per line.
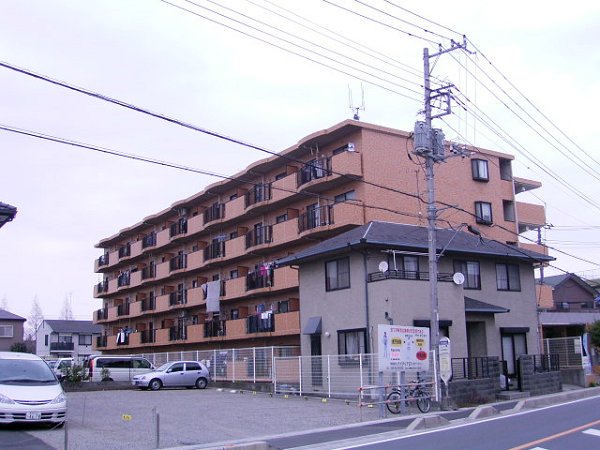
(568,349)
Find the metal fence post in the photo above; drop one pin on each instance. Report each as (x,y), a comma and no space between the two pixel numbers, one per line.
(254,364)
(300,373)
(233,364)
(214,364)
(328,376)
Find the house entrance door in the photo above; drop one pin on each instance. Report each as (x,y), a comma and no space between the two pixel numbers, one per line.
(316,360)
(513,346)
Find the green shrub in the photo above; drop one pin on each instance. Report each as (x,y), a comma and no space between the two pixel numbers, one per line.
(75,374)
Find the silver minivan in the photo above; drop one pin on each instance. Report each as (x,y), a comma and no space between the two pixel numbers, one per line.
(29,390)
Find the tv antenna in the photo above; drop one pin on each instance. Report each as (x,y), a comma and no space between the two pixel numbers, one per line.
(353,108)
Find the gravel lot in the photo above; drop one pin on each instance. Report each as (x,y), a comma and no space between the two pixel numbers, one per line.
(125,420)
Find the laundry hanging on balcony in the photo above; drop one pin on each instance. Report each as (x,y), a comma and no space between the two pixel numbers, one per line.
(212,290)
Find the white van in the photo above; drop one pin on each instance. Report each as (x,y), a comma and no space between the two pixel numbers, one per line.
(29,390)
(116,368)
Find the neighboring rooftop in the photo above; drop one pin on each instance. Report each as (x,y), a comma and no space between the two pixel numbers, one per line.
(7,213)
(389,235)
(6,315)
(74,326)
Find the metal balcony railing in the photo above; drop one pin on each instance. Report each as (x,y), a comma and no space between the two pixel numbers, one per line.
(260,279)
(102,286)
(148,304)
(317,217)
(260,235)
(125,250)
(123,279)
(216,249)
(215,328)
(178,333)
(178,262)
(147,336)
(259,193)
(123,310)
(101,341)
(179,227)
(260,323)
(178,298)
(314,169)
(214,212)
(148,272)
(103,260)
(62,346)
(407,275)
(149,240)
(102,314)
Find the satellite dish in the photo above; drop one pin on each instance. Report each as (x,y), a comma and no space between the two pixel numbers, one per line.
(458,278)
(383,266)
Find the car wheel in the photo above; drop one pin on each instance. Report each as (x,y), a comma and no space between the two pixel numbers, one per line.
(201,383)
(155,384)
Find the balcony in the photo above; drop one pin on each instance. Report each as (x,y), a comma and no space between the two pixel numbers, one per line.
(260,235)
(149,240)
(259,193)
(148,272)
(178,333)
(530,216)
(260,323)
(215,212)
(62,346)
(178,228)
(125,251)
(178,298)
(317,217)
(313,170)
(148,336)
(148,304)
(102,287)
(123,310)
(178,262)
(324,173)
(102,314)
(103,260)
(215,328)
(216,249)
(262,278)
(101,341)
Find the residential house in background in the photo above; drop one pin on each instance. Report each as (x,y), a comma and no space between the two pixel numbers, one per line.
(378,274)
(201,274)
(66,338)
(11,329)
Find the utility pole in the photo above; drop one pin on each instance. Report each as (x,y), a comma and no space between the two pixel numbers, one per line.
(429,144)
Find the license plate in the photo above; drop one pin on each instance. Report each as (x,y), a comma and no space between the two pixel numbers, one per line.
(33,415)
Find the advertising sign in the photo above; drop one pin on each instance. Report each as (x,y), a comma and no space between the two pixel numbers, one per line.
(445,360)
(403,348)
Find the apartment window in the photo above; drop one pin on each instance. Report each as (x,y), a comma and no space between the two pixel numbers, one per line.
(233,274)
(509,210)
(479,167)
(505,169)
(233,234)
(508,277)
(483,213)
(233,197)
(351,343)
(470,269)
(281,218)
(281,175)
(235,314)
(283,306)
(350,195)
(337,274)
(85,339)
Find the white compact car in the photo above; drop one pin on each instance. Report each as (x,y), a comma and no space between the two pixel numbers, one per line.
(174,374)
(29,390)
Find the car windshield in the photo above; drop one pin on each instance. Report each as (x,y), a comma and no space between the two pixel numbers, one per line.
(22,371)
(52,363)
(163,368)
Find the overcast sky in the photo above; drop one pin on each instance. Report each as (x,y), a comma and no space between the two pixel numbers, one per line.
(153,55)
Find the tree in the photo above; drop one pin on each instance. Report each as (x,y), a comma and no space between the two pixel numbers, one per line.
(594,330)
(19,347)
(35,319)
(67,313)
(4,303)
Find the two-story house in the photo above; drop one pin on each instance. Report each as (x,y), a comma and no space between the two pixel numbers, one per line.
(11,329)
(66,338)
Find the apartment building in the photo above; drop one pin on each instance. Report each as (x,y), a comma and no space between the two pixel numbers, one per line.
(201,274)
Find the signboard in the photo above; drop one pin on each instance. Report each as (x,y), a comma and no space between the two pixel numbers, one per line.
(445,360)
(403,348)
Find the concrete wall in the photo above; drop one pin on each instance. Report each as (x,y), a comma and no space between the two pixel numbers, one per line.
(537,383)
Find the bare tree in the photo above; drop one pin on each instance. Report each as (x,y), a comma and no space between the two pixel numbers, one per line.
(4,303)
(36,317)
(67,312)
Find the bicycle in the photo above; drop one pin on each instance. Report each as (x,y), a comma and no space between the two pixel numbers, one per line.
(413,392)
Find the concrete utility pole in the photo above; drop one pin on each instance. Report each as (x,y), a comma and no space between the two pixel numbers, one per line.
(429,144)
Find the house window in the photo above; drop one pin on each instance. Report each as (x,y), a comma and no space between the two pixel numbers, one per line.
(85,339)
(46,340)
(470,269)
(65,338)
(350,195)
(337,274)
(479,167)
(508,277)
(351,343)
(483,213)
(6,331)
(281,218)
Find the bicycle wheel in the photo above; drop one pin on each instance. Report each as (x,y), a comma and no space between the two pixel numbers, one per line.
(423,402)
(393,402)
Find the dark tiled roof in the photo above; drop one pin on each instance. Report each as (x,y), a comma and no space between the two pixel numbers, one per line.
(8,211)
(5,315)
(472,305)
(412,238)
(74,326)
(556,279)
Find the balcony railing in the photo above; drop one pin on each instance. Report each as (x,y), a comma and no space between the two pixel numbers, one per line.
(314,169)
(103,260)
(215,328)
(178,333)
(178,262)
(123,310)
(148,304)
(214,212)
(147,336)
(102,286)
(123,279)
(149,240)
(179,227)
(259,193)
(61,346)
(317,217)
(125,250)
(260,235)
(101,341)
(407,275)
(260,323)
(264,277)
(178,298)
(216,249)
(148,272)
(102,314)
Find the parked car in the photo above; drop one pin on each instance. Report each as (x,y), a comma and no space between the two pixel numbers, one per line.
(29,390)
(174,374)
(60,366)
(116,368)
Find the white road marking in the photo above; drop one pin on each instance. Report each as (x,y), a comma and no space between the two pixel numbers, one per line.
(592,431)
